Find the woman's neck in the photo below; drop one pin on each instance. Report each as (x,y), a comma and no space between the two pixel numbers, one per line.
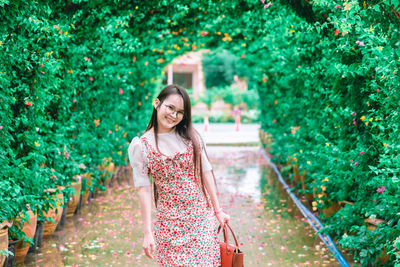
(162,131)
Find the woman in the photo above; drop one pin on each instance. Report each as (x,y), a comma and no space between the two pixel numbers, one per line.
(172,152)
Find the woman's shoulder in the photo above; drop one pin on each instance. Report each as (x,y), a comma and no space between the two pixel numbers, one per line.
(136,141)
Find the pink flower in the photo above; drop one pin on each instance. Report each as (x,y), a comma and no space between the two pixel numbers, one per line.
(377,90)
(203,34)
(381,189)
(355,164)
(360,43)
(274,121)
(66,154)
(60,32)
(394,72)
(362,152)
(267,5)
(338,7)
(353,113)
(262,1)
(121,91)
(1,127)
(91,78)
(74,100)
(354,121)
(82,166)
(109,131)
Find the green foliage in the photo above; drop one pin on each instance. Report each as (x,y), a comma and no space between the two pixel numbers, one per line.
(77,79)
(219,67)
(330,94)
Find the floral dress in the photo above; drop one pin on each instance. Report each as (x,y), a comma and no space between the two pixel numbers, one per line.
(185,229)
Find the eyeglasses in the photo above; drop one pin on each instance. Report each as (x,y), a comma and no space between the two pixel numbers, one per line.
(171,110)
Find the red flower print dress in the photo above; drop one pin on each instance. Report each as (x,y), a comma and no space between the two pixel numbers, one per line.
(186,229)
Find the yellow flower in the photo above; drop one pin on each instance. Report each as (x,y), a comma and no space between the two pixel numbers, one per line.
(37,144)
(326,179)
(371,119)
(366,123)
(327,144)
(301,150)
(323,188)
(120,153)
(308,162)
(314,203)
(84,156)
(362,118)
(385,144)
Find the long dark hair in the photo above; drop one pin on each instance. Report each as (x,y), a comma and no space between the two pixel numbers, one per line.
(185,129)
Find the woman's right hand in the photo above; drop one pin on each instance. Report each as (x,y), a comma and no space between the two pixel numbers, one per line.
(148,245)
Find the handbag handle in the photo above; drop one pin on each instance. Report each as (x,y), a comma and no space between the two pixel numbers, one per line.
(226,235)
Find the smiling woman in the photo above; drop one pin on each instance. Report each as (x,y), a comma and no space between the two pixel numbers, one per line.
(171,151)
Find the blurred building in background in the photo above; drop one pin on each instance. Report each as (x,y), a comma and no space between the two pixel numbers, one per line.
(187,71)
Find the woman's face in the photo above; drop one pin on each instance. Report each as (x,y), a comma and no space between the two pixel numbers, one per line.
(170,113)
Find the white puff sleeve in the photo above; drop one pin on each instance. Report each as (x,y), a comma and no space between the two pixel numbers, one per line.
(206,165)
(138,161)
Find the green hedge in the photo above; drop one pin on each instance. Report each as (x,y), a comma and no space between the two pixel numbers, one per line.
(331,102)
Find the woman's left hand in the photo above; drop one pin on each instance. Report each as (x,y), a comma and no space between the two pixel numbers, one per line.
(223,218)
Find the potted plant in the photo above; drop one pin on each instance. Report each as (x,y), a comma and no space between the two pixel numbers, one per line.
(12,201)
(4,240)
(26,222)
(73,201)
(53,210)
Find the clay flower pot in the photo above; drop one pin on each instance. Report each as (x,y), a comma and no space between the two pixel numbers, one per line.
(29,228)
(4,239)
(54,213)
(74,200)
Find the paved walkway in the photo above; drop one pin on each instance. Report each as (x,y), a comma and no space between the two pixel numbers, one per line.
(226,134)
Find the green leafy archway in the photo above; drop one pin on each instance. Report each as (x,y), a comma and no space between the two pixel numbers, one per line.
(78,78)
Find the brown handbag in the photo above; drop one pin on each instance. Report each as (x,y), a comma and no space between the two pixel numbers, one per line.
(231,256)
